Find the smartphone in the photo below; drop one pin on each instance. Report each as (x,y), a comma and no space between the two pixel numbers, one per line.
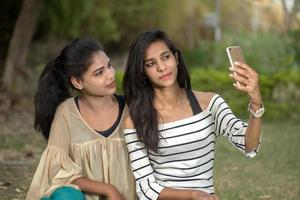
(235,54)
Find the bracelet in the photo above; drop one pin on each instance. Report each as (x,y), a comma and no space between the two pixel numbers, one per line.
(259,102)
(257,113)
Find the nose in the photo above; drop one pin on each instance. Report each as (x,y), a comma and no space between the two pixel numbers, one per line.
(160,66)
(111,73)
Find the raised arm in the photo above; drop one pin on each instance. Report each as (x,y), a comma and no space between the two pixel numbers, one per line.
(249,83)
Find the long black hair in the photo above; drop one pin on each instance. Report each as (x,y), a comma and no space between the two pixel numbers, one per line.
(54,85)
(138,89)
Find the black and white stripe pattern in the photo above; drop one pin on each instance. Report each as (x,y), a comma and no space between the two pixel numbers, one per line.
(186,151)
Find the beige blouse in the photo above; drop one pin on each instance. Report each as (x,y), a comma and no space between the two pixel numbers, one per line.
(75,150)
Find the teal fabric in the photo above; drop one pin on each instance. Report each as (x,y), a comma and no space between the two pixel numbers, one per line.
(65,193)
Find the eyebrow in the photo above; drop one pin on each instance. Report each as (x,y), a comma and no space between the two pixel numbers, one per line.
(100,68)
(162,54)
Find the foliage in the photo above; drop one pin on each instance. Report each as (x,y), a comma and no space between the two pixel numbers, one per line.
(203,55)
(109,21)
(295,42)
(69,19)
(266,52)
(280,91)
(119,78)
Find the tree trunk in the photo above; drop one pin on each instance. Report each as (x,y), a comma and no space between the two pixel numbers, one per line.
(19,42)
(287,16)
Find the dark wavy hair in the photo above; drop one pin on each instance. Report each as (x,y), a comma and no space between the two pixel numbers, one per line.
(138,89)
(54,85)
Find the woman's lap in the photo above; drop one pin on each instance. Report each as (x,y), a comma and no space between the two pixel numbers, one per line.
(65,193)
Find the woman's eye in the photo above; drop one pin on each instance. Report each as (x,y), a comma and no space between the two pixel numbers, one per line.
(149,64)
(166,57)
(98,73)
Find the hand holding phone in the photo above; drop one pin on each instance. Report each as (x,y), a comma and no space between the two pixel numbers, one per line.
(235,54)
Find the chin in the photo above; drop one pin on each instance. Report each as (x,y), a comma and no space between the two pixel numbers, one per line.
(114,90)
(168,83)
(165,85)
(108,92)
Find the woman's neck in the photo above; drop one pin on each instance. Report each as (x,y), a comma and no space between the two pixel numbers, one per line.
(97,104)
(169,98)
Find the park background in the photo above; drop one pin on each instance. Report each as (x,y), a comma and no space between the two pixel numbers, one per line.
(34,31)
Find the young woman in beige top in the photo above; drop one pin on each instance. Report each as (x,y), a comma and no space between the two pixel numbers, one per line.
(86,156)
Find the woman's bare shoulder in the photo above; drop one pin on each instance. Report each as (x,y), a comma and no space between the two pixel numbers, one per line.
(128,123)
(204,98)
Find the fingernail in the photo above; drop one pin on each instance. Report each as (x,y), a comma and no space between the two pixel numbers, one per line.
(231,68)
(237,63)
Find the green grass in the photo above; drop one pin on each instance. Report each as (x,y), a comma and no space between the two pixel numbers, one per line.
(273,174)
(12,142)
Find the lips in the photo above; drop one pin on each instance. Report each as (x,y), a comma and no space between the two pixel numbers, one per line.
(112,84)
(165,76)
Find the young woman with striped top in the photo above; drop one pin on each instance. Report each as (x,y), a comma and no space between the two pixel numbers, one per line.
(171,131)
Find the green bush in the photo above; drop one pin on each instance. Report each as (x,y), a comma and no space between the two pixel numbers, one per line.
(200,56)
(280,91)
(119,78)
(295,42)
(266,52)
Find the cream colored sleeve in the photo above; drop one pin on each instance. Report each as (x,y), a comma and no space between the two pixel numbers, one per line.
(55,168)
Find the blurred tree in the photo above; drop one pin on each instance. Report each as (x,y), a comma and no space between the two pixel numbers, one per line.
(112,22)
(183,21)
(235,15)
(19,42)
(295,43)
(288,8)
(68,19)
(9,11)
(117,23)
(136,16)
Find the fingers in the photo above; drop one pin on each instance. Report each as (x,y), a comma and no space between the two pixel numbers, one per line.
(242,80)
(243,70)
(243,66)
(245,76)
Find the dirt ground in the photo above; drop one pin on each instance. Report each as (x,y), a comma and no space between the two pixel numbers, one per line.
(20,149)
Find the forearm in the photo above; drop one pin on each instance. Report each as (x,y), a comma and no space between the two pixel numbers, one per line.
(249,83)
(253,131)
(94,187)
(180,194)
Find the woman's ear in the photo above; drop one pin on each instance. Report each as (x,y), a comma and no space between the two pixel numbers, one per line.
(77,83)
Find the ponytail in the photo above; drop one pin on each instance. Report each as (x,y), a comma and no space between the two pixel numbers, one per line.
(53,88)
